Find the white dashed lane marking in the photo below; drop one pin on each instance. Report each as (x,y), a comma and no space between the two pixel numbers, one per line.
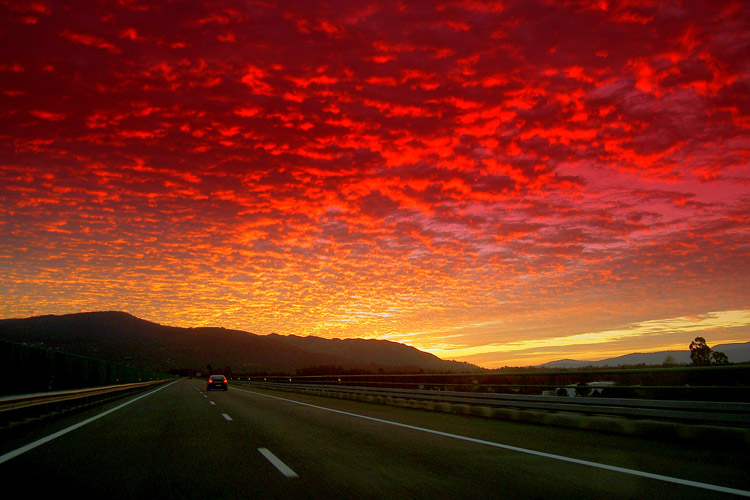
(283,468)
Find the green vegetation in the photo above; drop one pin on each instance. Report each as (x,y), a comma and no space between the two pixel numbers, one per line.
(34,369)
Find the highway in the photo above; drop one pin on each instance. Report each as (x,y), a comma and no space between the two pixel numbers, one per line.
(179,441)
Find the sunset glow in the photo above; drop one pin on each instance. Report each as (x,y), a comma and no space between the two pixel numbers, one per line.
(504,183)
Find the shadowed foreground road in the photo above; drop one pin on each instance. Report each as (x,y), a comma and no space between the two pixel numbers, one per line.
(182,442)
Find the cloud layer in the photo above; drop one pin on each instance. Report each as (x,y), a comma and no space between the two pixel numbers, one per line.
(447,174)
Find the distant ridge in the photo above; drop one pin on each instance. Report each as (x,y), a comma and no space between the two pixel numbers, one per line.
(737,353)
(121,337)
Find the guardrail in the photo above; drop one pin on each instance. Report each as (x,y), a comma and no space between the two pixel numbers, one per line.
(18,410)
(688,412)
(683,383)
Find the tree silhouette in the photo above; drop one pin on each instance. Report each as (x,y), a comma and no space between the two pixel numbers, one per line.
(719,358)
(700,353)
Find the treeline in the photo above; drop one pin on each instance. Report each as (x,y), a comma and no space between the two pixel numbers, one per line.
(34,369)
(372,369)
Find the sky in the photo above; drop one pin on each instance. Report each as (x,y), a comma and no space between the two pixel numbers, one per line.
(503,183)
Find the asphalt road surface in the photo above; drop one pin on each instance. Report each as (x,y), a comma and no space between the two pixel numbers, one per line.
(182,442)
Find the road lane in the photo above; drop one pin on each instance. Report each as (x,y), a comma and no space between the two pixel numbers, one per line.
(425,467)
(172,444)
(50,437)
(176,444)
(527,451)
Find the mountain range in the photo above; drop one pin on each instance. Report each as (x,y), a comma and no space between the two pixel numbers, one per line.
(123,338)
(737,353)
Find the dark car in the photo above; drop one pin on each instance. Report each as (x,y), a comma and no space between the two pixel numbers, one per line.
(217,382)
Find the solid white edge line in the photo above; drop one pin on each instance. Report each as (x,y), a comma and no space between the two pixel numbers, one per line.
(632,472)
(39,442)
(283,468)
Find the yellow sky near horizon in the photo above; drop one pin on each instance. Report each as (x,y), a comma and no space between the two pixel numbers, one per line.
(719,327)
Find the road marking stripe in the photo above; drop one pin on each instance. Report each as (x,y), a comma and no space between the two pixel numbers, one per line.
(283,468)
(39,442)
(227,416)
(211,402)
(632,472)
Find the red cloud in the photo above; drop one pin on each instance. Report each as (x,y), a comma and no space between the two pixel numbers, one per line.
(90,40)
(518,153)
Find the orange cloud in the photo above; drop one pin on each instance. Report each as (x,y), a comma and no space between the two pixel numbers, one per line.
(460,176)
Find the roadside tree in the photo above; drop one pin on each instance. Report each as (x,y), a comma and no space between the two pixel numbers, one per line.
(700,353)
(719,358)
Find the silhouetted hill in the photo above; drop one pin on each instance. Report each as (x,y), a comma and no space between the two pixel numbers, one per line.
(737,353)
(378,352)
(121,337)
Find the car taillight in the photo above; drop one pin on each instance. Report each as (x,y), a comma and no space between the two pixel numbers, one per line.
(225,381)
